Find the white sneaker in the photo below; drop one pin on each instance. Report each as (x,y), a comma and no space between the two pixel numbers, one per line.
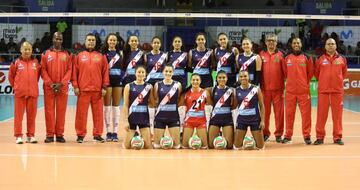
(19,140)
(31,140)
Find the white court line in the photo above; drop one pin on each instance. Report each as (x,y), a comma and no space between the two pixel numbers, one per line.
(177,157)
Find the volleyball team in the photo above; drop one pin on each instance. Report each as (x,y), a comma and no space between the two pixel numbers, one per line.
(153,86)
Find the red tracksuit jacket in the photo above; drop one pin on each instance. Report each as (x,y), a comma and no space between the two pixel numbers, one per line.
(272,70)
(90,72)
(56,67)
(24,77)
(298,71)
(330,72)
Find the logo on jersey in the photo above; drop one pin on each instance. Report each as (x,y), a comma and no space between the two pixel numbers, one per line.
(34,65)
(21,66)
(96,59)
(63,58)
(84,58)
(50,58)
(325,62)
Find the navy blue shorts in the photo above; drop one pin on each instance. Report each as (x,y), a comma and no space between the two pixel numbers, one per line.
(253,127)
(116,82)
(163,124)
(133,126)
(221,124)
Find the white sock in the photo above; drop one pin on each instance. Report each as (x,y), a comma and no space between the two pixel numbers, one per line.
(181,111)
(151,118)
(208,111)
(116,118)
(234,114)
(107,111)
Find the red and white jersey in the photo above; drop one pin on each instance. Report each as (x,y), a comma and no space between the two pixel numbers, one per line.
(195,106)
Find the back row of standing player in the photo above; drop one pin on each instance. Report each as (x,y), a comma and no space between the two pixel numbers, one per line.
(270,68)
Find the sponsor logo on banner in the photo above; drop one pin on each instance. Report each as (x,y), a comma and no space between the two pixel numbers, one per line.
(237,35)
(102,32)
(5,87)
(133,33)
(2,77)
(12,32)
(346,34)
(352,83)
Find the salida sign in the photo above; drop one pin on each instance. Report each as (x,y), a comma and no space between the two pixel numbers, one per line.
(5,88)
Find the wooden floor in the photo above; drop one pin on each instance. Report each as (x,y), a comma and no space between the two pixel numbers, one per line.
(109,166)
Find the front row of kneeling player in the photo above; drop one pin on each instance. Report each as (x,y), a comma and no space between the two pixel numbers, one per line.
(245,103)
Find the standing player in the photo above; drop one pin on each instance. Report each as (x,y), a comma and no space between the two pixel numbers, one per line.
(133,56)
(272,86)
(330,71)
(154,61)
(166,97)
(113,94)
(221,117)
(24,75)
(178,58)
(298,72)
(137,98)
(249,61)
(225,59)
(90,80)
(56,66)
(251,112)
(201,61)
(195,98)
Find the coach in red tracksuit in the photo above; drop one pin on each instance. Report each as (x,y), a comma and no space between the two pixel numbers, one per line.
(272,85)
(90,79)
(24,75)
(298,72)
(56,66)
(330,71)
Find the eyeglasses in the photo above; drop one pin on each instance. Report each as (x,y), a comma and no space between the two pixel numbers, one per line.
(271,40)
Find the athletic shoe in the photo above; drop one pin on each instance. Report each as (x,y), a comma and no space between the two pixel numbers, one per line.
(98,139)
(49,140)
(266,138)
(339,142)
(60,139)
(80,139)
(19,140)
(108,137)
(278,139)
(319,142)
(286,141)
(307,141)
(115,137)
(31,140)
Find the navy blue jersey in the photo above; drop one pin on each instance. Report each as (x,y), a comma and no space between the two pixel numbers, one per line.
(153,59)
(116,74)
(250,114)
(140,113)
(169,111)
(228,65)
(221,115)
(130,73)
(205,70)
(251,68)
(180,74)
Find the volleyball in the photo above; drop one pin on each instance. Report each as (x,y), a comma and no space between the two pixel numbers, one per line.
(137,143)
(249,143)
(195,142)
(220,143)
(166,142)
